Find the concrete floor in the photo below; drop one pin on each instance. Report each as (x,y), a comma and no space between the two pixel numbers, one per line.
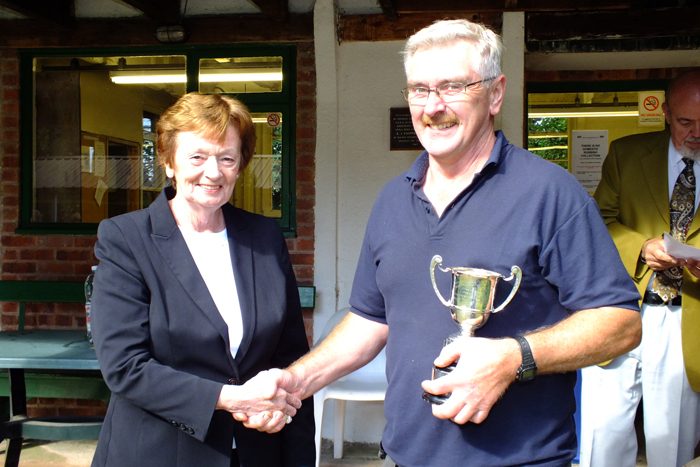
(79,454)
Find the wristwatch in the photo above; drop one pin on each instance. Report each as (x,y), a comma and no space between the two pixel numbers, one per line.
(528,369)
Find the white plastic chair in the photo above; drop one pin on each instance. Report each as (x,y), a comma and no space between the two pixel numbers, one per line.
(364,384)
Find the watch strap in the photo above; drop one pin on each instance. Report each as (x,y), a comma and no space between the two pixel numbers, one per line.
(528,368)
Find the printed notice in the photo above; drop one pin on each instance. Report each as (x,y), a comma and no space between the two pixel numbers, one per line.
(650,111)
(588,151)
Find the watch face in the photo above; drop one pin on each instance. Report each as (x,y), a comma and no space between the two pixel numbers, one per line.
(527,374)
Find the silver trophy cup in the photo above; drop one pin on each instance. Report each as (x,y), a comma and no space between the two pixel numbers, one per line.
(471,303)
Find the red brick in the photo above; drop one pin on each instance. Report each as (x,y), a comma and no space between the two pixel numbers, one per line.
(10,201)
(61,269)
(10,79)
(306,103)
(305,231)
(17,240)
(8,254)
(56,241)
(305,204)
(303,272)
(306,90)
(305,189)
(10,94)
(36,254)
(11,174)
(85,241)
(9,188)
(305,244)
(302,258)
(10,161)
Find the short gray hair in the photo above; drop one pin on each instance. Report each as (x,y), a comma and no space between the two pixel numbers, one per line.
(448,32)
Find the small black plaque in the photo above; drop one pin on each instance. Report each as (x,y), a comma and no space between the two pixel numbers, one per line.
(403,136)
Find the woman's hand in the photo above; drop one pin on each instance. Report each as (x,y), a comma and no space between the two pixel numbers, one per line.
(260,403)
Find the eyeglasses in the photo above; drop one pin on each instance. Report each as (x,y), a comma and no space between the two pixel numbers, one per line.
(448,92)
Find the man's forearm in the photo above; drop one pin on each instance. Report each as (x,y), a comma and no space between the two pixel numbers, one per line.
(351,345)
(586,338)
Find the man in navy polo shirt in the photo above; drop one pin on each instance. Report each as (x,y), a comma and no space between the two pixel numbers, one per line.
(479,202)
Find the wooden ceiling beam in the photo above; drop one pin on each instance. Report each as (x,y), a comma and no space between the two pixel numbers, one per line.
(275,9)
(139,32)
(164,11)
(450,6)
(635,23)
(58,13)
(373,28)
(389,9)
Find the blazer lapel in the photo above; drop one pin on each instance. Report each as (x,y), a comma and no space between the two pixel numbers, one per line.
(654,163)
(240,245)
(173,248)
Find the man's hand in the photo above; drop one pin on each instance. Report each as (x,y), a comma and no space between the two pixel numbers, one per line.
(260,403)
(693,267)
(654,254)
(485,369)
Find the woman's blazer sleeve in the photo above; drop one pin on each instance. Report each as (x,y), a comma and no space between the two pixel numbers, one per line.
(124,334)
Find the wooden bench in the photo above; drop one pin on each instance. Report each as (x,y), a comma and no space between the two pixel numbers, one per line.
(16,425)
(73,385)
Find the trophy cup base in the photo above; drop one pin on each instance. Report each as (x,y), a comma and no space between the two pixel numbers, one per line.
(439,372)
(435,400)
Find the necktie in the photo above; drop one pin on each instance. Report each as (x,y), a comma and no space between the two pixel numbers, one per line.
(668,282)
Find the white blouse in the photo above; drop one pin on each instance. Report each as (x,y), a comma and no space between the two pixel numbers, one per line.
(213,259)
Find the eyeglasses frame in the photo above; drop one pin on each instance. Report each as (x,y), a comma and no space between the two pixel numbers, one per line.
(404,91)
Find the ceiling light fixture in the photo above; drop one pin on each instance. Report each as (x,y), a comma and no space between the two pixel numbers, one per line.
(167,77)
(581,114)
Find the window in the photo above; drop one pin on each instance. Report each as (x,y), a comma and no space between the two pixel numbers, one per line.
(572,124)
(90,119)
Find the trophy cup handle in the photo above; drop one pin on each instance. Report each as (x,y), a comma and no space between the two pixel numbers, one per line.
(518,275)
(437,261)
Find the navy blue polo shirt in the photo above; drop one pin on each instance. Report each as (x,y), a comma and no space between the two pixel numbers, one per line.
(519,210)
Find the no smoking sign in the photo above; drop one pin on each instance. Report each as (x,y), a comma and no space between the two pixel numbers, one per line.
(651,103)
(273,120)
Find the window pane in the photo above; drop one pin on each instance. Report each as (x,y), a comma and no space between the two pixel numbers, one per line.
(93,156)
(240,75)
(259,188)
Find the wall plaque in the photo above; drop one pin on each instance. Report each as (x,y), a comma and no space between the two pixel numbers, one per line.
(403,137)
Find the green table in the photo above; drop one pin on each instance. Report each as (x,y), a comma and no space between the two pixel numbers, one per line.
(43,350)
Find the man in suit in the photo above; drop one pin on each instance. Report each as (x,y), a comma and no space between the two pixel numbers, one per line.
(639,200)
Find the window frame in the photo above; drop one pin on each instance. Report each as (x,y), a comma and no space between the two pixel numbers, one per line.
(284,102)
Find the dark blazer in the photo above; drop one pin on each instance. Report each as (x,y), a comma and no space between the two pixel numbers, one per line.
(633,199)
(163,347)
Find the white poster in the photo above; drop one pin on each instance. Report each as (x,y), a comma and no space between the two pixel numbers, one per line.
(588,151)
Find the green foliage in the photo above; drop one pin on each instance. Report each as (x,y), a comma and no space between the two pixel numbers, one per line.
(549,126)
(546,125)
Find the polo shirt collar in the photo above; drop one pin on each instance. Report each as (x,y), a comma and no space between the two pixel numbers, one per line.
(419,168)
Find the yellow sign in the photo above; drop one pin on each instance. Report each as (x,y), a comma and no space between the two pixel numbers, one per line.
(650,112)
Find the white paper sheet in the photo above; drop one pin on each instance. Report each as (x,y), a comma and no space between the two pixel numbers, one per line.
(680,250)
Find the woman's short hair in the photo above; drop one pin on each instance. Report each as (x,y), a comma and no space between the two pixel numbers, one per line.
(448,32)
(207,115)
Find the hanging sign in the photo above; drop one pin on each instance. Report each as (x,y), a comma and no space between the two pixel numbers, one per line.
(273,120)
(650,111)
(588,150)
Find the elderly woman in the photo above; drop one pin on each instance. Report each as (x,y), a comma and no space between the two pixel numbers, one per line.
(193,298)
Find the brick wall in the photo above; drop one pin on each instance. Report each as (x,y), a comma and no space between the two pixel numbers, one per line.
(69,257)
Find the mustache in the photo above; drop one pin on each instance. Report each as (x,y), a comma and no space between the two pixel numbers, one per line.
(691,139)
(440,120)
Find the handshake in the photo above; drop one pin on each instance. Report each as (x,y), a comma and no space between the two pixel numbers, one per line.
(266,402)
